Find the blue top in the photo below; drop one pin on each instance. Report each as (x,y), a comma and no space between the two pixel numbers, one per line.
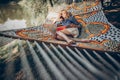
(68,21)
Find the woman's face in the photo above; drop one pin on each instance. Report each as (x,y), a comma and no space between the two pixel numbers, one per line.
(64,14)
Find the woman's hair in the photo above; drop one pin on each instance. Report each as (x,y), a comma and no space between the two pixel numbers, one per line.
(68,14)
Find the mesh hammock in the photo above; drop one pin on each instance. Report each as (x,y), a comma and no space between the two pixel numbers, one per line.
(89,13)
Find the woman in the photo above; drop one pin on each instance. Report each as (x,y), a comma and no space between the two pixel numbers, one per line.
(67,26)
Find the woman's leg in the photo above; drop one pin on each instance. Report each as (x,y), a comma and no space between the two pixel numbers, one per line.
(65,31)
(69,32)
(59,37)
(61,34)
(85,40)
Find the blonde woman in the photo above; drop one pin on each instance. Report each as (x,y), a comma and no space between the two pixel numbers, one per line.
(67,25)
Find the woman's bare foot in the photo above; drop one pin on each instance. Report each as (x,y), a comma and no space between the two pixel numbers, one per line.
(70,42)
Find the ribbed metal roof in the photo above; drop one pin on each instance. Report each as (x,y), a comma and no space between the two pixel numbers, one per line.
(44,61)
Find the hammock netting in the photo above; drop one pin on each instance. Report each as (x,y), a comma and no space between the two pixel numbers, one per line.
(96,27)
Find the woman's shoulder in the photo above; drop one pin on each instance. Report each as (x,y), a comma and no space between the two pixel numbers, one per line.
(73,20)
(71,17)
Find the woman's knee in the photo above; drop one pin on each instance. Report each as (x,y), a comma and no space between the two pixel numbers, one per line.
(66,32)
(59,37)
(57,32)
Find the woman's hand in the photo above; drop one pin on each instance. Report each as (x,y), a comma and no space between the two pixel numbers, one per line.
(58,18)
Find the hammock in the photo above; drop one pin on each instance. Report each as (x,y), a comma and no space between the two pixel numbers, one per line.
(95,27)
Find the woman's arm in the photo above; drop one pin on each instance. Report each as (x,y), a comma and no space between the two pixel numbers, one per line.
(73,20)
(73,26)
(58,19)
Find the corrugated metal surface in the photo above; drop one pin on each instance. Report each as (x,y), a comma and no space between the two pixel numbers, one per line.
(41,61)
